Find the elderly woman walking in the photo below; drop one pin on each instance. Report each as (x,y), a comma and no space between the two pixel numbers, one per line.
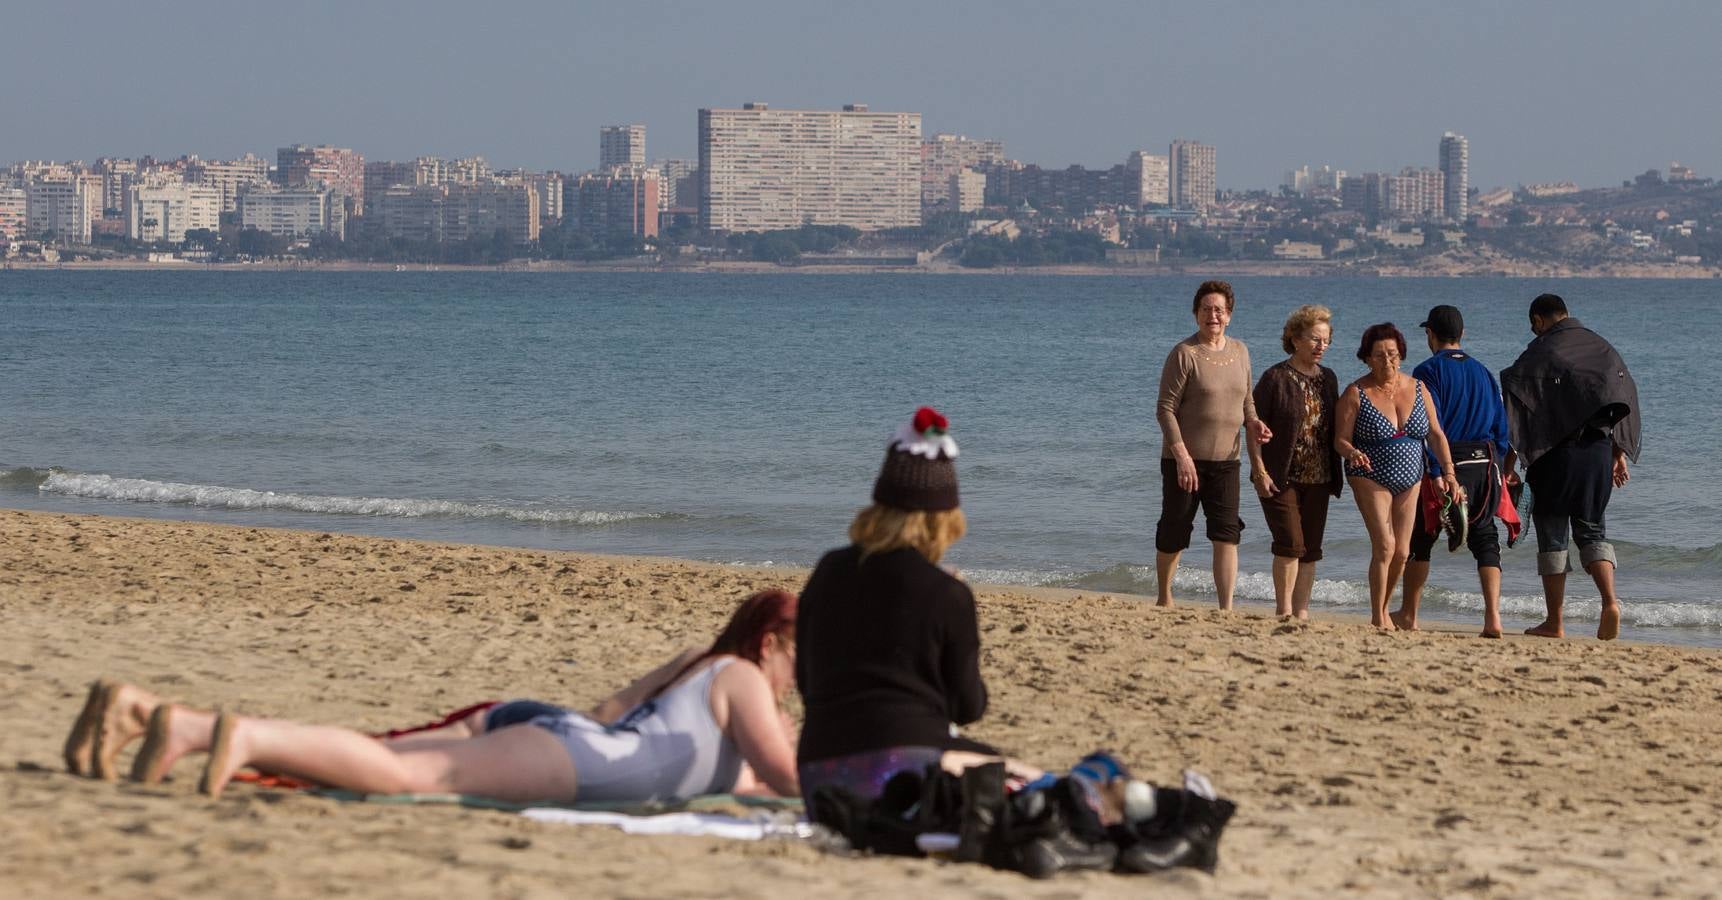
(1297,471)
(1204,400)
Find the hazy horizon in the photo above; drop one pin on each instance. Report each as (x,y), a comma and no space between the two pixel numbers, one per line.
(1544,91)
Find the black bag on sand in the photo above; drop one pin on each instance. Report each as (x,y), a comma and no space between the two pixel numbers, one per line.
(1184,831)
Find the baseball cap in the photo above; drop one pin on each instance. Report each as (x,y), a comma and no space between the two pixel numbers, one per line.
(1446,322)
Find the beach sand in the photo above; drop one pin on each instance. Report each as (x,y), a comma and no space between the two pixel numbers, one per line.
(1431,764)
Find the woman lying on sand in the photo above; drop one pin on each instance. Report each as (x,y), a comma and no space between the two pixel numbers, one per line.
(706,722)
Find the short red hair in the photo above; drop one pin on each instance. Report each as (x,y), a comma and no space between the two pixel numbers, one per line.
(1385,331)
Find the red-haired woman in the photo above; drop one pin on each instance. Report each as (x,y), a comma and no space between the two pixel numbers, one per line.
(1380,427)
(706,722)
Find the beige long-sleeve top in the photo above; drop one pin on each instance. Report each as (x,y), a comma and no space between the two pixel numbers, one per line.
(1205,399)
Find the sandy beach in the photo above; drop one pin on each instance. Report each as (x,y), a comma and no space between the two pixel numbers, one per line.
(1429,764)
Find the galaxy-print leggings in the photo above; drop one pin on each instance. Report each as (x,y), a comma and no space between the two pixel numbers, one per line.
(864,774)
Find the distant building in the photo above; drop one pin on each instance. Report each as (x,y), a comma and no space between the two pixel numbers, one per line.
(1297,250)
(1455,165)
(117,176)
(294,212)
(339,168)
(1414,195)
(1193,175)
(1678,172)
(482,209)
(1147,180)
(621,145)
(12,213)
(968,191)
(228,178)
(1363,194)
(62,208)
(548,186)
(943,156)
(764,169)
(1306,182)
(621,201)
(409,211)
(672,174)
(166,213)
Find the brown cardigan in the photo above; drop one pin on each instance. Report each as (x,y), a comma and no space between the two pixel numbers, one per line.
(1279,402)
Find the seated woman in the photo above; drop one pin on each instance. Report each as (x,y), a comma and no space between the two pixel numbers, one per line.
(705,723)
(889,656)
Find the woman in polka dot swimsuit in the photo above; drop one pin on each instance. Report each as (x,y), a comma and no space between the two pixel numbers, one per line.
(1380,427)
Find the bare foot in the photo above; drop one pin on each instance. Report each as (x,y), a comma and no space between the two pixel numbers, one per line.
(224,758)
(1402,621)
(1302,615)
(1166,602)
(124,718)
(1609,628)
(1547,628)
(1491,634)
(80,750)
(173,732)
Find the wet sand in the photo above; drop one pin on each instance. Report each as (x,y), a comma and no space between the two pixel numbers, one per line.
(1428,764)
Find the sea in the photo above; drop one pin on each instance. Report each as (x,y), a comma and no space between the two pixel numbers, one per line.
(741,418)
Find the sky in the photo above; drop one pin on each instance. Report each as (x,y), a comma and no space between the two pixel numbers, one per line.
(1588,91)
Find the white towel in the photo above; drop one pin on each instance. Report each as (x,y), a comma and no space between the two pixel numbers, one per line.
(708,824)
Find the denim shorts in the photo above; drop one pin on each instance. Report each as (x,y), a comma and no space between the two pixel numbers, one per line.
(1552,558)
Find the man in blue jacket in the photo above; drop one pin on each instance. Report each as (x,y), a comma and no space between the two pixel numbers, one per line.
(1468,403)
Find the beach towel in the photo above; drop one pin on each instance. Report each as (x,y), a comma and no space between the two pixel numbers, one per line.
(732,816)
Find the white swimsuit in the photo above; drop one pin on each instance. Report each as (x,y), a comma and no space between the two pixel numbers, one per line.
(668,747)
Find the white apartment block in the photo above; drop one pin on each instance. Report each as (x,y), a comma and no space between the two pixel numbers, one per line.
(548,185)
(166,213)
(1192,171)
(968,191)
(621,145)
(764,169)
(13,214)
(294,212)
(947,154)
(1148,180)
(228,178)
(61,208)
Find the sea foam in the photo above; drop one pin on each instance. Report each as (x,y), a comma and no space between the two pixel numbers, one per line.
(140,490)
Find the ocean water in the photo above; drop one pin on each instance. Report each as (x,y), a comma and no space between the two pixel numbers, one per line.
(741,418)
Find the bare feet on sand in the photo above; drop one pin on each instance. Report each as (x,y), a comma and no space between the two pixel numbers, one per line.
(173,732)
(1166,602)
(1548,628)
(223,761)
(1609,627)
(114,715)
(1402,621)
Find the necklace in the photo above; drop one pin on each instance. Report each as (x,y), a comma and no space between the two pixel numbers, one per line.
(1389,393)
(1211,358)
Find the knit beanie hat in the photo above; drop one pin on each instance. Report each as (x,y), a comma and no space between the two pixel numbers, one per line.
(919,472)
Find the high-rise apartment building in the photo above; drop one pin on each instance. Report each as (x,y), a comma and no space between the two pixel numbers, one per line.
(968,191)
(294,212)
(1147,180)
(339,168)
(1455,167)
(228,177)
(619,201)
(764,169)
(621,145)
(13,213)
(483,208)
(62,208)
(1193,171)
(945,155)
(672,174)
(117,176)
(167,212)
(1414,195)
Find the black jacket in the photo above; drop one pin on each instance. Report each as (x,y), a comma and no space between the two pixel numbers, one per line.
(1568,378)
(1279,403)
(887,655)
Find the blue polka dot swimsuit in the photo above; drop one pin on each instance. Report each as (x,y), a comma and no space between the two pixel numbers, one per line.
(1395,455)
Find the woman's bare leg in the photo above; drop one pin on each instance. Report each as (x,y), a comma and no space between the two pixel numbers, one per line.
(1285,580)
(1376,505)
(1303,590)
(1225,572)
(519,763)
(1165,569)
(1404,513)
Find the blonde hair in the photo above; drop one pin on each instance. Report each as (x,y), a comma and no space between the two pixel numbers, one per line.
(879,528)
(1301,320)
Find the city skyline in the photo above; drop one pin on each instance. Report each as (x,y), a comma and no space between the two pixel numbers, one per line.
(529,85)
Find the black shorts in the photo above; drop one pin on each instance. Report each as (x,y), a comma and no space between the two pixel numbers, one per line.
(1216,492)
(1473,463)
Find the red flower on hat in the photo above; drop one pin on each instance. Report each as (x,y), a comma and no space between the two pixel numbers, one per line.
(928,418)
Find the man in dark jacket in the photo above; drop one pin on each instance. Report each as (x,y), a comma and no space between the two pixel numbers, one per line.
(1573,411)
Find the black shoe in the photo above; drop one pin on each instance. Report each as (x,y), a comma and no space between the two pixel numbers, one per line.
(983,808)
(1047,856)
(1456,519)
